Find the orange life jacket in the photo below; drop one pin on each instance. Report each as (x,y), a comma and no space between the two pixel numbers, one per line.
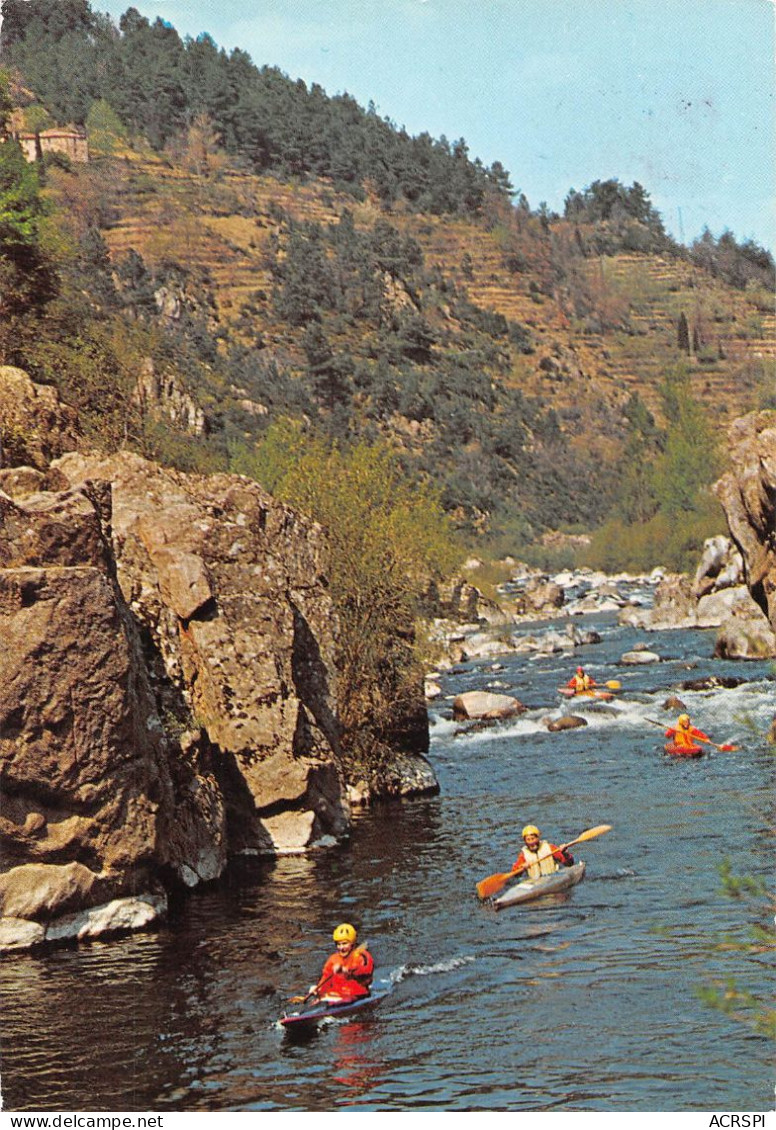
(353,981)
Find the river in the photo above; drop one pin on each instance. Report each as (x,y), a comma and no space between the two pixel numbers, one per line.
(585,1001)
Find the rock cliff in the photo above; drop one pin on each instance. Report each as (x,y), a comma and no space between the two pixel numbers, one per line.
(748,494)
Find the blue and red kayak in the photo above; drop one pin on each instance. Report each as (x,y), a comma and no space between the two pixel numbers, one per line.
(310,1014)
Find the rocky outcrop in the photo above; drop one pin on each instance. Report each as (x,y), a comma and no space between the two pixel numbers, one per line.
(462,602)
(748,494)
(715,598)
(674,606)
(35,427)
(720,567)
(734,588)
(169,696)
(409,775)
(84,766)
(161,396)
(229,587)
(746,639)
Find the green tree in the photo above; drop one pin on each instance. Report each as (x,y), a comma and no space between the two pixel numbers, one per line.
(27,276)
(388,537)
(690,461)
(730,996)
(105,129)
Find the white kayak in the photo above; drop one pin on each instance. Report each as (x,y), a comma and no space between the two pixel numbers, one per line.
(531,889)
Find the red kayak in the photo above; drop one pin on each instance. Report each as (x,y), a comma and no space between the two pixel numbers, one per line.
(684,750)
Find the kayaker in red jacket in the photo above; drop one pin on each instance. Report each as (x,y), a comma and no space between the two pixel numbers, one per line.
(347,974)
(539,857)
(684,734)
(581,682)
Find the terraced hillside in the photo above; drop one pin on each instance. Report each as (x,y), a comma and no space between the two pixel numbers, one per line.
(227,227)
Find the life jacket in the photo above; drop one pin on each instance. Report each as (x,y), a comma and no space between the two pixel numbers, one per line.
(686,736)
(581,683)
(541,861)
(353,981)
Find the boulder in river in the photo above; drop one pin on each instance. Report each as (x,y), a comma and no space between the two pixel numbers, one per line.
(487,706)
(712,683)
(721,566)
(716,608)
(674,703)
(636,657)
(746,639)
(567,722)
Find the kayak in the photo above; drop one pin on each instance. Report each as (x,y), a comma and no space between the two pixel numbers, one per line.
(309,1015)
(531,889)
(604,696)
(683,750)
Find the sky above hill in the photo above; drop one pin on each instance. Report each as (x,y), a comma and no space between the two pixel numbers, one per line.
(675,94)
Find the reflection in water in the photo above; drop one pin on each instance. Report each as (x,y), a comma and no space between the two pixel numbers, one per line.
(186,1018)
(354,1068)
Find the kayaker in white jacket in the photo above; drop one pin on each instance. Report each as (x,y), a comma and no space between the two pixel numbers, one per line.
(540,857)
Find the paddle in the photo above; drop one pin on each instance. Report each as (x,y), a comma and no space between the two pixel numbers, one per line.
(727,748)
(314,992)
(494,883)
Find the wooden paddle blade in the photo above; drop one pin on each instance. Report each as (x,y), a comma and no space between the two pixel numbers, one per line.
(493,884)
(591,833)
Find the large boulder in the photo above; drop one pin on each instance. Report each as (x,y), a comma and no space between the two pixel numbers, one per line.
(486,705)
(748,494)
(230,588)
(462,602)
(674,606)
(746,639)
(168,691)
(84,762)
(716,608)
(720,567)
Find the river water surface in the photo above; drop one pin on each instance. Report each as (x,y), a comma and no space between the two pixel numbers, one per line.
(586,1001)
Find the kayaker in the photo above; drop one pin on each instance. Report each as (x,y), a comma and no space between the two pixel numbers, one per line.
(581,682)
(684,734)
(347,974)
(539,857)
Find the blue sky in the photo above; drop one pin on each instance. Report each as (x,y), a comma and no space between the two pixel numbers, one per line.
(677,94)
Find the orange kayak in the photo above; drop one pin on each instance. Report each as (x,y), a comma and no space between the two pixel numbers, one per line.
(683,750)
(603,696)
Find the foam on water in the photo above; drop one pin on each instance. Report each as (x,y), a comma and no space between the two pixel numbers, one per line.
(412,970)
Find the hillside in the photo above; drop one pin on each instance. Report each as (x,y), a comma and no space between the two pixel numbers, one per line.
(225,227)
(225,235)
(241,250)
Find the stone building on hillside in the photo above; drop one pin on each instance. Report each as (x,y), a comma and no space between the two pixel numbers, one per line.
(70,141)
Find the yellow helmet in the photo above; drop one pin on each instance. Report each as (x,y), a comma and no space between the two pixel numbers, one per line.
(684,720)
(529,830)
(345,933)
